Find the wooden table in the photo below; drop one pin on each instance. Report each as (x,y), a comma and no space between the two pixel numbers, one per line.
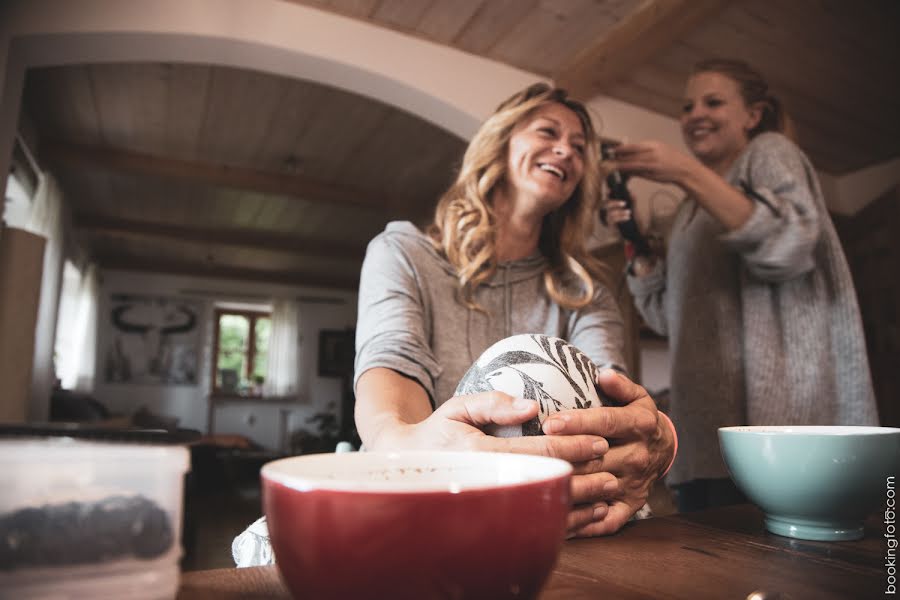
(716,554)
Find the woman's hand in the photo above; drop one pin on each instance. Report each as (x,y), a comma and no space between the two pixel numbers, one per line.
(616,212)
(641,447)
(656,161)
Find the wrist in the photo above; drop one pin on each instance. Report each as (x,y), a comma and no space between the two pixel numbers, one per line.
(390,434)
(694,177)
(670,426)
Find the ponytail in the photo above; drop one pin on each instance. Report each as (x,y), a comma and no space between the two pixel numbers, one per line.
(755,92)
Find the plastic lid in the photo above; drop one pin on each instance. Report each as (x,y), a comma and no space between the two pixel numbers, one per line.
(88,431)
(66,449)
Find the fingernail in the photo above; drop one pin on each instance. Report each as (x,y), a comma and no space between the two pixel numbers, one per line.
(522,404)
(553,425)
(600,511)
(618,374)
(600,447)
(611,486)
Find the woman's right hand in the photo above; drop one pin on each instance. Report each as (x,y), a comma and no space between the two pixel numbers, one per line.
(616,212)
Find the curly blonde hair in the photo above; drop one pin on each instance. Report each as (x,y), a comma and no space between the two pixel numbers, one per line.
(464,226)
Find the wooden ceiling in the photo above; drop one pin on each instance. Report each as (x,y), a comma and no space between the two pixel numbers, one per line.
(209,170)
(835,63)
(219,171)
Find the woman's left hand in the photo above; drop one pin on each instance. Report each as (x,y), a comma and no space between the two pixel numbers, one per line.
(641,448)
(656,161)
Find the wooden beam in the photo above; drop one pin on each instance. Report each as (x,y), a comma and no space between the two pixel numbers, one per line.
(251,238)
(191,269)
(297,186)
(652,27)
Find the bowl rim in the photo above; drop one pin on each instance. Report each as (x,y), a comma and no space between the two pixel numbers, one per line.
(808,430)
(273,472)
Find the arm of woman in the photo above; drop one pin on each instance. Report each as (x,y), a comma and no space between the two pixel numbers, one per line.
(773,222)
(778,241)
(647,283)
(660,162)
(393,413)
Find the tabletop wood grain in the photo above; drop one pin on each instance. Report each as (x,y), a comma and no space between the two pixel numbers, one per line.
(722,553)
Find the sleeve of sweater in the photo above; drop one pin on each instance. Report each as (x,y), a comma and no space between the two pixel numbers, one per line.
(778,240)
(649,294)
(390,325)
(598,330)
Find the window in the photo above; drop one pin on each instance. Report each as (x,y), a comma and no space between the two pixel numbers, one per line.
(65,348)
(21,184)
(241,351)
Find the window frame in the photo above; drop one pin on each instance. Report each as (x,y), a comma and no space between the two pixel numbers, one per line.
(252,316)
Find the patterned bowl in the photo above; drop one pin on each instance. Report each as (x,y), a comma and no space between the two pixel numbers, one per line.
(536,367)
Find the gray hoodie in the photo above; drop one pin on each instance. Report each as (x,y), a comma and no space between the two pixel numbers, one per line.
(410,319)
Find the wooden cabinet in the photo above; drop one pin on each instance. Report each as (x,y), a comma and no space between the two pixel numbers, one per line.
(21,267)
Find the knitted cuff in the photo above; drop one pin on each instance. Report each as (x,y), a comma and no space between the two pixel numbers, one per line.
(675,437)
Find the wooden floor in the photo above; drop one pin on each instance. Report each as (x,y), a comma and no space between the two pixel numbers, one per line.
(217,520)
(223,498)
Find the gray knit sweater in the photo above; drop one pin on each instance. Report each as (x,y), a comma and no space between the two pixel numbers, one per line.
(409,318)
(763,322)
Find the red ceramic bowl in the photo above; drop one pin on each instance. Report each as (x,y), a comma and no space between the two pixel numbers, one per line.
(416,525)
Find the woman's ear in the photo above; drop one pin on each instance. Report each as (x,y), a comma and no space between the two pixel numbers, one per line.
(755,113)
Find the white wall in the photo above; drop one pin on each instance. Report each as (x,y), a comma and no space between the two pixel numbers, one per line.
(655,364)
(854,191)
(189,403)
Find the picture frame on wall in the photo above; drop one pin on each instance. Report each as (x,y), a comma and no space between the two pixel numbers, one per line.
(152,340)
(336,352)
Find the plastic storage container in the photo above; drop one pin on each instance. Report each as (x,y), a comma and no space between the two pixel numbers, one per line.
(84,519)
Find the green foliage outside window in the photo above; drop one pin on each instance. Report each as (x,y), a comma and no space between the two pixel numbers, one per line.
(243,338)
(261,358)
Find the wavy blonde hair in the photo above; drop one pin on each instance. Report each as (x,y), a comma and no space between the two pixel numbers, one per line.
(464,226)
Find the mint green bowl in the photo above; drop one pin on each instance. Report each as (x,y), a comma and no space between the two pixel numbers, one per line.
(813,482)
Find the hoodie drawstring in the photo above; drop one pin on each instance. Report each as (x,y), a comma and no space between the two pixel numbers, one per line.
(508,301)
(469,312)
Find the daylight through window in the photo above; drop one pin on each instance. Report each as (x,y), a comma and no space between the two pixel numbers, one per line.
(241,351)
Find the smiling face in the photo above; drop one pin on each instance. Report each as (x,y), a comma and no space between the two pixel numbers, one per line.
(715,119)
(546,158)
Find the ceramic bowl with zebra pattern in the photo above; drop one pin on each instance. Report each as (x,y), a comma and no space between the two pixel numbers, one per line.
(547,369)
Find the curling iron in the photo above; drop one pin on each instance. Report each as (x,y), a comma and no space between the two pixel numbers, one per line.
(618,190)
